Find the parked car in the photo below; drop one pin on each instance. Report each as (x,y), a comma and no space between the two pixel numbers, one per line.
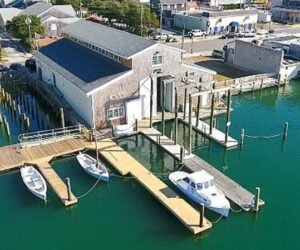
(229,35)
(159,36)
(15,66)
(3,68)
(217,53)
(246,34)
(30,64)
(196,33)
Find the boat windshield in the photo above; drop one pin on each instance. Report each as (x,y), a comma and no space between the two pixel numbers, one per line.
(206,184)
(199,186)
(212,183)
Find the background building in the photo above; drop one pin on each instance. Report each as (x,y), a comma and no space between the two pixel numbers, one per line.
(215,22)
(106,74)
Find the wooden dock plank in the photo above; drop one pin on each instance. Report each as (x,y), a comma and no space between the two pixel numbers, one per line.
(232,190)
(125,164)
(53,179)
(216,135)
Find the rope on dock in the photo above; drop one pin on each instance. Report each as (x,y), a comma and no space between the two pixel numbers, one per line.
(236,211)
(90,190)
(217,220)
(262,136)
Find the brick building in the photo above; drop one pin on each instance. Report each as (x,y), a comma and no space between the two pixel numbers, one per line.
(106,74)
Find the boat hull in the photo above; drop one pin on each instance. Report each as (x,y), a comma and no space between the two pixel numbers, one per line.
(174,177)
(25,174)
(92,163)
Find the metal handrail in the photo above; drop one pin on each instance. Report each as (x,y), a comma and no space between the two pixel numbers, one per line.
(51,134)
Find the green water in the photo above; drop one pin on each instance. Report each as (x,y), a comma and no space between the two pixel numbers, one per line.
(123,215)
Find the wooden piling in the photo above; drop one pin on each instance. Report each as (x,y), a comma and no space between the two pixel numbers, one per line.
(163,108)
(242,137)
(6,125)
(1,119)
(19,109)
(176,118)
(198,110)
(68,182)
(28,122)
(228,115)
(212,109)
(136,125)
(151,102)
(190,123)
(62,116)
(184,104)
(181,154)
(201,215)
(257,196)
(285,131)
(261,84)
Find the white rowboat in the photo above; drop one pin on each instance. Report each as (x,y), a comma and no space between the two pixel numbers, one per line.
(89,165)
(34,181)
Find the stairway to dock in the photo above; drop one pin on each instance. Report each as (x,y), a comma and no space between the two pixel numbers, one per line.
(232,190)
(126,164)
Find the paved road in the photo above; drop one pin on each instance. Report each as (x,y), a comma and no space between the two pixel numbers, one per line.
(13,50)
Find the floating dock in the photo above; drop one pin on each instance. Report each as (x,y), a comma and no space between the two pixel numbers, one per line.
(40,155)
(232,190)
(216,135)
(126,164)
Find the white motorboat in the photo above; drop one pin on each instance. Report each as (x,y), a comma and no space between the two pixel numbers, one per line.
(200,187)
(92,167)
(125,129)
(34,181)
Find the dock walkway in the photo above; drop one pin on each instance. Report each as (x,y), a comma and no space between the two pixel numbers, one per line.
(232,190)
(126,164)
(216,135)
(59,187)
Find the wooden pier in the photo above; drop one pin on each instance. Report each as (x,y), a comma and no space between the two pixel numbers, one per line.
(40,155)
(232,190)
(126,164)
(12,157)
(216,135)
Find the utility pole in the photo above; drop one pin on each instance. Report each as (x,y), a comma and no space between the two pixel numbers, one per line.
(182,41)
(161,14)
(141,19)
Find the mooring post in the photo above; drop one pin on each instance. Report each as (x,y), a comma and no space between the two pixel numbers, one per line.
(261,84)
(112,130)
(68,181)
(285,132)
(198,110)
(201,214)
(181,154)
(176,118)
(278,79)
(190,122)
(257,196)
(242,136)
(158,139)
(14,105)
(163,108)
(62,115)
(6,125)
(28,122)
(19,109)
(1,119)
(212,109)
(151,102)
(136,124)
(228,116)
(184,104)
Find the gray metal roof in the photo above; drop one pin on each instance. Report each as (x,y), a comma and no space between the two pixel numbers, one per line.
(116,41)
(36,9)
(83,67)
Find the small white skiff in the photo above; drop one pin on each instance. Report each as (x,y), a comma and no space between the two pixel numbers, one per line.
(34,181)
(125,129)
(89,165)
(200,187)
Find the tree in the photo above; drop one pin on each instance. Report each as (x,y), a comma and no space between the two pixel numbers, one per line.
(127,12)
(18,27)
